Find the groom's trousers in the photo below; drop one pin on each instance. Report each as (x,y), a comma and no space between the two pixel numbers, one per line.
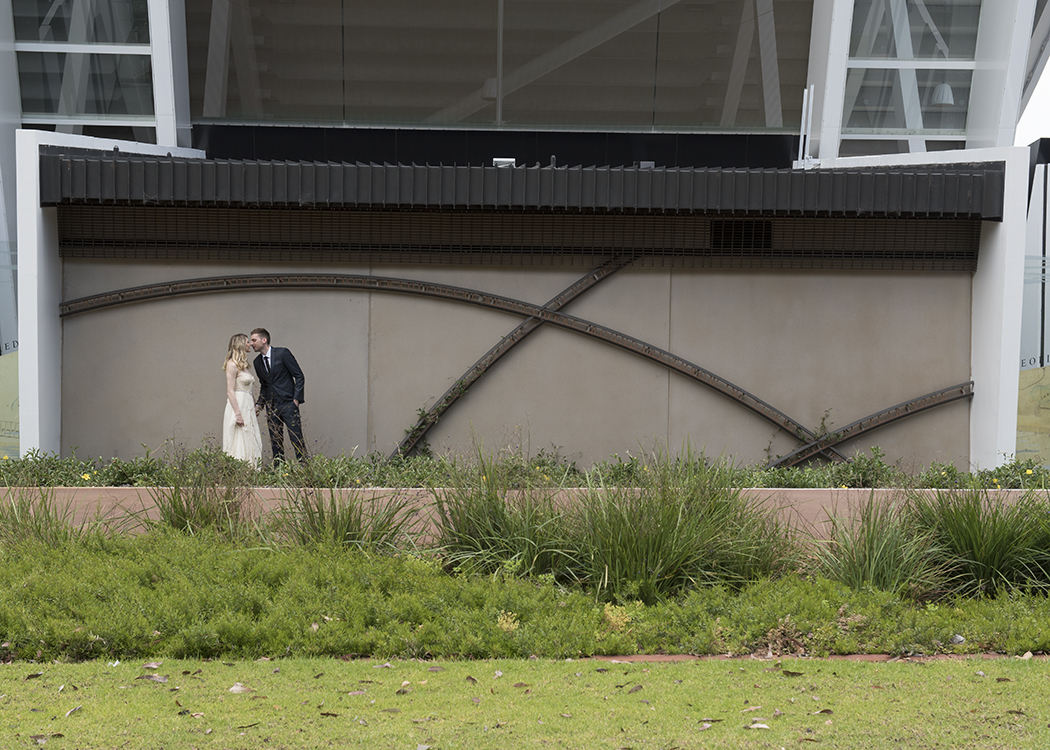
(279,416)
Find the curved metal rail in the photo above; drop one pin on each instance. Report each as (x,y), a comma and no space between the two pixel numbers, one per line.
(464,382)
(442,291)
(878,419)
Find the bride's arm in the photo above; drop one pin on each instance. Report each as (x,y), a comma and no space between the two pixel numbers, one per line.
(231,384)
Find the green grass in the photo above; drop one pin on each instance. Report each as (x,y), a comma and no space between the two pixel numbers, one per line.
(297,703)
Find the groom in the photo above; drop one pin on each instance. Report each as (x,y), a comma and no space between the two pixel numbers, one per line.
(281,391)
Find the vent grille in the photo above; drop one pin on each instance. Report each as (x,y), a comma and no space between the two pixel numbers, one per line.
(514,238)
(736,236)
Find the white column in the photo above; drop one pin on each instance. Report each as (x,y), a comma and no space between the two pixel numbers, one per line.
(995,95)
(39,294)
(40,286)
(829,51)
(998,293)
(171,88)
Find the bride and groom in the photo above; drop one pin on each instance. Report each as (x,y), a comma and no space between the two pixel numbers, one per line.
(281,385)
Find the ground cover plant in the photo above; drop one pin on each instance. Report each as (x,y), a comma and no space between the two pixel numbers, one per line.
(172,464)
(170,594)
(972,703)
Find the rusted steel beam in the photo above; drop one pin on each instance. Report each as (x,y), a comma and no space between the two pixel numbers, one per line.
(502,348)
(878,419)
(444,291)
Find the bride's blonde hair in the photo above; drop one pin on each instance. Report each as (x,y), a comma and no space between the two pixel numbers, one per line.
(236,353)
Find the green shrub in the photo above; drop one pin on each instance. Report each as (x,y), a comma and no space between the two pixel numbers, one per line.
(876,544)
(207,490)
(988,545)
(682,527)
(484,526)
(35,514)
(347,519)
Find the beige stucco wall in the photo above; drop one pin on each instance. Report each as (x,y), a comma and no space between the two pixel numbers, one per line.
(845,343)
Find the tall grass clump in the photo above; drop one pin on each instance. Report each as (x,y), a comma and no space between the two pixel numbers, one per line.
(35,514)
(683,526)
(486,525)
(988,545)
(348,519)
(877,544)
(208,489)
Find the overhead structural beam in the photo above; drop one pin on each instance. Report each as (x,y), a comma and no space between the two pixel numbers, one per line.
(1038,51)
(906,92)
(866,43)
(755,13)
(231,25)
(550,61)
(76,71)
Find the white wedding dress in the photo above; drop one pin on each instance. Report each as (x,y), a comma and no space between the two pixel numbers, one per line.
(244,442)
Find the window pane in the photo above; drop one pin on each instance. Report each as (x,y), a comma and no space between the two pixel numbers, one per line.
(579,64)
(78,84)
(588,64)
(699,44)
(935,28)
(82,21)
(257,60)
(916,101)
(421,62)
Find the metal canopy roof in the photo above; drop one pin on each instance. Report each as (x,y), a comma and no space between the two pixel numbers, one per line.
(958,191)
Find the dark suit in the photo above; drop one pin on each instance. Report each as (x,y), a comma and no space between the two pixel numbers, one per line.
(280,387)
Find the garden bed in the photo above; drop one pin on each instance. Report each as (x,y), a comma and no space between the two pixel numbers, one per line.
(807,510)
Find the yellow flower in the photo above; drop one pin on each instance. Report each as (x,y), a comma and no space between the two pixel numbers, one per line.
(1028,471)
(85,476)
(5,458)
(844,487)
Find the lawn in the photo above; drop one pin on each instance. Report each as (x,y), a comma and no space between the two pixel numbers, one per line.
(739,703)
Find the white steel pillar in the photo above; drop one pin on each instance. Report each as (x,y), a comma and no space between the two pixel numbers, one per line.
(171,88)
(40,286)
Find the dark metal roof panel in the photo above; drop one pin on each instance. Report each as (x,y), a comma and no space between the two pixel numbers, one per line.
(973,191)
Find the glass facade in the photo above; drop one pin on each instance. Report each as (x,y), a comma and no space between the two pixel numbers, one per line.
(532,64)
(81,21)
(84,65)
(80,85)
(909,75)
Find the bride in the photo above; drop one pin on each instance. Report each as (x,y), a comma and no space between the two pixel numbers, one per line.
(240,428)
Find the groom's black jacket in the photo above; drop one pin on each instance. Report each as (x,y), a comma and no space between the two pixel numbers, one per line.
(285,380)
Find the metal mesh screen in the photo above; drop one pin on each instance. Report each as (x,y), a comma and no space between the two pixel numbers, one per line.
(514,238)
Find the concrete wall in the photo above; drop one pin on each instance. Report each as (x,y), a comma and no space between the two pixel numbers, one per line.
(809,343)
